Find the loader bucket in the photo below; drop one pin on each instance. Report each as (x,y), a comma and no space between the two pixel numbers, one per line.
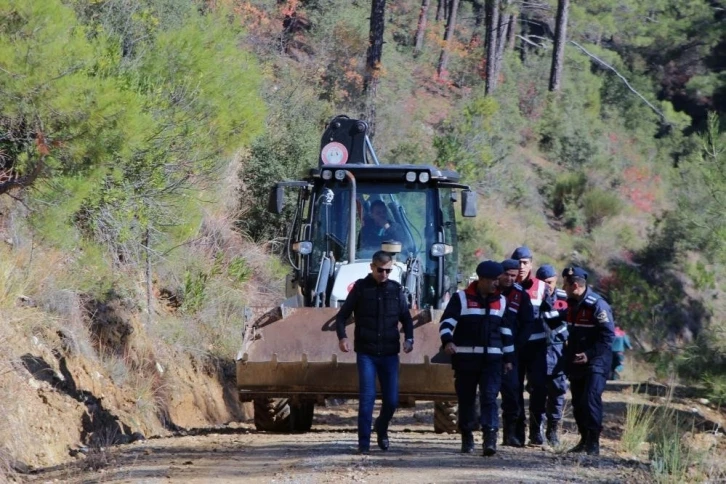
(297,356)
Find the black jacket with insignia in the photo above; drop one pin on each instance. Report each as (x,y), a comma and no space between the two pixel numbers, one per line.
(591,331)
(378,308)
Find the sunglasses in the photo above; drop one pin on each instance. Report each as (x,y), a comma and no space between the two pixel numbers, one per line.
(381,270)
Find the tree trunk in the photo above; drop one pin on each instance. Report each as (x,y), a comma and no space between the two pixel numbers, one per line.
(558,53)
(492,21)
(511,31)
(373,56)
(421,27)
(503,25)
(448,34)
(478,8)
(441,10)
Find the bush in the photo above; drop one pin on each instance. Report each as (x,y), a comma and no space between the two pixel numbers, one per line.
(598,204)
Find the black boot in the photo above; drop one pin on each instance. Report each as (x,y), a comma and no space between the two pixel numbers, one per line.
(519,431)
(467,442)
(580,447)
(592,444)
(551,433)
(535,431)
(382,437)
(490,441)
(510,435)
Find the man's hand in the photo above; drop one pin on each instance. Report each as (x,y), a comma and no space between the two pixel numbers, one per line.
(508,367)
(450,348)
(580,359)
(407,346)
(344,345)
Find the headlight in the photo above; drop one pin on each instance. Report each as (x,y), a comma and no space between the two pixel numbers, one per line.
(440,250)
(411,176)
(327,174)
(340,174)
(423,177)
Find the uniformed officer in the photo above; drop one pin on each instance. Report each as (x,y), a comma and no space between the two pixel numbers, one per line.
(554,312)
(532,352)
(519,308)
(477,334)
(587,356)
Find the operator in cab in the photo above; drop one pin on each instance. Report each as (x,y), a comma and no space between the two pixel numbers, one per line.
(378,304)
(377,227)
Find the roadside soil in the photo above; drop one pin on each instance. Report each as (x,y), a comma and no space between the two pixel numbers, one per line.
(238,453)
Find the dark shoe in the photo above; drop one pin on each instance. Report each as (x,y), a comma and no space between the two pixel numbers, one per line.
(592,444)
(467,443)
(551,433)
(364,450)
(510,435)
(519,432)
(490,442)
(381,437)
(580,447)
(535,432)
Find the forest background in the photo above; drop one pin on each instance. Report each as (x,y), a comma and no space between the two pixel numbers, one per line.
(138,139)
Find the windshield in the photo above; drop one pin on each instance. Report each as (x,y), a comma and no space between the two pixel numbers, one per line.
(384,212)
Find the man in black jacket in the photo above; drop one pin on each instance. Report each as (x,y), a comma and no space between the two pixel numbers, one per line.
(378,304)
(476,331)
(587,356)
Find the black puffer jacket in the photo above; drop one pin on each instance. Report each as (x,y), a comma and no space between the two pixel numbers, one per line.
(378,308)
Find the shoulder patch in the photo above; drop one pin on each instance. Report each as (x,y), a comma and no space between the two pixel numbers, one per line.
(561,294)
(590,300)
(602,316)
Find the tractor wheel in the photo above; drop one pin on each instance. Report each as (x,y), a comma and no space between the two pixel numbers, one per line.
(302,416)
(279,415)
(446,417)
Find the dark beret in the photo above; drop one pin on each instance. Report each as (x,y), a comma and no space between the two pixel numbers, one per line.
(489,269)
(522,253)
(545,272)
(509,264)
(574,272)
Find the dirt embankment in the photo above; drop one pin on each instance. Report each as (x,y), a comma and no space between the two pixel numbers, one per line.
(63,398)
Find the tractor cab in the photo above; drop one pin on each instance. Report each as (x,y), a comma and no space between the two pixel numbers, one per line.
(351,206)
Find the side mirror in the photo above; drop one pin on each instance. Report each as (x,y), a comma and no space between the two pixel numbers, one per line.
(468,203)
(277,199)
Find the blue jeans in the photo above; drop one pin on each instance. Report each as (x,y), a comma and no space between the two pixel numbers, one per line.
(386,368)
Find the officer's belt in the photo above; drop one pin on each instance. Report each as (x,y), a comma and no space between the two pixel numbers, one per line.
(478,350)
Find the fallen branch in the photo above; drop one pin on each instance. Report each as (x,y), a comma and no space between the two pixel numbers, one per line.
(608,66)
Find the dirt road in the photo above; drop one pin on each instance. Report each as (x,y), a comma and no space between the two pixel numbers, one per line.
(238,453)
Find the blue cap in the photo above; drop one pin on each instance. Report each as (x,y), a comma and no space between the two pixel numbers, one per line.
(509,264)
(489,269)
(545,272)
(574,271)
(522,253)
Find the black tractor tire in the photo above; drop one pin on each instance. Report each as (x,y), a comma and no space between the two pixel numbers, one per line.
(446,417)
(279,415)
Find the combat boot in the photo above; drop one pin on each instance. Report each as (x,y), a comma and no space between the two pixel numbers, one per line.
(580,447)
(519,431)
(535,431)
(551,433)
(592,444)
(510,435)
(467,442)
(490,441)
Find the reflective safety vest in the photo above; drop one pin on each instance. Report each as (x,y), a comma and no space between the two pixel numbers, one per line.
(480,329)
(536,292)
